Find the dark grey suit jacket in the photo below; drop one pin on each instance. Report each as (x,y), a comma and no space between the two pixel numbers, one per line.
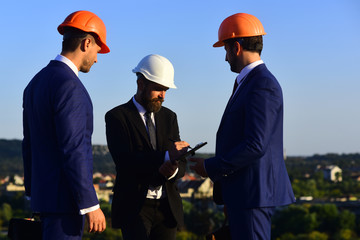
(137,164)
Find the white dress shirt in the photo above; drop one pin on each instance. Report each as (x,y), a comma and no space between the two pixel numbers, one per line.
(154,192)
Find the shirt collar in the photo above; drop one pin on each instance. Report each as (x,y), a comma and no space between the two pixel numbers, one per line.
(139,107)
(245,71)
(68,62)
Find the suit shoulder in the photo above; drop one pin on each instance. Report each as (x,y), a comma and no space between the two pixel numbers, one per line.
(57,74)
(264,77)
(167,111)
(119,110)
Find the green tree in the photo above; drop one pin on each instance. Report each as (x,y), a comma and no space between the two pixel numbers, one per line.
(200,218)
(6,213)
(346,234)
(184,235)
(347,220)
(327,216)
(295,219)
(315,235)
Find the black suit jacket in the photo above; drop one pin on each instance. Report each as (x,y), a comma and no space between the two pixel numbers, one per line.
(137,164)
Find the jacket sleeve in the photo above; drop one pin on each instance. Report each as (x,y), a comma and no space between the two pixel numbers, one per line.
(73,123)
(176,136)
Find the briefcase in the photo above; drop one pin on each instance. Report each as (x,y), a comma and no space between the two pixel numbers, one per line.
(24,228)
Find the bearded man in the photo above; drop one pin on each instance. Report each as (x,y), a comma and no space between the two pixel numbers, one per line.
(144,142)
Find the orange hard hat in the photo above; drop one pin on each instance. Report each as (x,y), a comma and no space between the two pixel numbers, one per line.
(87,22)
(239,25)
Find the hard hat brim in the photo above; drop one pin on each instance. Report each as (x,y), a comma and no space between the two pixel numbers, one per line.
(219,44)
(151,78)
(104,48)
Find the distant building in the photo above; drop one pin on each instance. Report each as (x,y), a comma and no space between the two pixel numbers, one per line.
(18,180)
(10,187)
(332,173)
(306,198)
(196,189)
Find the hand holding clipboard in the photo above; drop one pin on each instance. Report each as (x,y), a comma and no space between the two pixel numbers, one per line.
(191,152)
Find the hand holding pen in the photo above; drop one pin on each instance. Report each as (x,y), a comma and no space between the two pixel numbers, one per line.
(177,149)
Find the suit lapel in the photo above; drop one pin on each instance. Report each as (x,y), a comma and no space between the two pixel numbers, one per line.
(241,88)
(136,119)
(233,99)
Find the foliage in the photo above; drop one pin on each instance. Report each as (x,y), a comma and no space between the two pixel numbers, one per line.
(295,222)
(184,235)
(6,212)
(202,217)
(294,219)
(318,221)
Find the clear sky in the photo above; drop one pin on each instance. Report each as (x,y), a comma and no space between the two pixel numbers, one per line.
(312,47)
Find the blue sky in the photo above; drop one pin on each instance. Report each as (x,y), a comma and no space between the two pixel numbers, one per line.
(312,47)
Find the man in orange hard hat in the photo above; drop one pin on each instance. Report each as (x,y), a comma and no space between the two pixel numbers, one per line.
(248,169)
(58,124)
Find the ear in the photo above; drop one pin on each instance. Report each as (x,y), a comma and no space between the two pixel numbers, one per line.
(237,48)
(85,44)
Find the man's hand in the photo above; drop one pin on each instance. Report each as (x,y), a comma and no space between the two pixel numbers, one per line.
(167,169)
(96,221)
(199,167)
(178,149)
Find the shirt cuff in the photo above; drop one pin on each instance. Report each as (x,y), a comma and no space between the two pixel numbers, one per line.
(167,158)
(90,209)
(172,176)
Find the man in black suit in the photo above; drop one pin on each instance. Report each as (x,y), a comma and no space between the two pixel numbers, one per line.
(144,142)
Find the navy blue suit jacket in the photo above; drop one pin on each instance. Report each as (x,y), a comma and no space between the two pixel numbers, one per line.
(57,151)
(249,159)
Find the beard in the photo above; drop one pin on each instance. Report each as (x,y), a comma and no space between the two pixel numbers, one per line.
(153,104)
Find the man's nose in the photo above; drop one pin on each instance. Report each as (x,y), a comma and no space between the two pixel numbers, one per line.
(162,94)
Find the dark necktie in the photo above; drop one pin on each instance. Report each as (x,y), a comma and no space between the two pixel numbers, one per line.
(236,84)
(235,87)
(151,129)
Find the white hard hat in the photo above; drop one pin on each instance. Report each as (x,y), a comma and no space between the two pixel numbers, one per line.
(157,69)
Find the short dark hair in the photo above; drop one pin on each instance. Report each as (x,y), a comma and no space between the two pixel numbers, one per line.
(140,76)
(72,38)
(252,44)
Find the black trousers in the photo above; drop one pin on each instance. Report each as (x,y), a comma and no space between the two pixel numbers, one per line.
(155,222)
